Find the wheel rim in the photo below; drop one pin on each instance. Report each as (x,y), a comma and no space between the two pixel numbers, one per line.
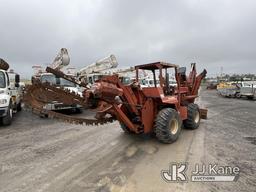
(197,117)
(174,126)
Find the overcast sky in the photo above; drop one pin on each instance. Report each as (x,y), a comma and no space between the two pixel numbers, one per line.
(214,33)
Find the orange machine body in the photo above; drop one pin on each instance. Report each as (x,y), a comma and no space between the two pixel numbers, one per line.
(137,107)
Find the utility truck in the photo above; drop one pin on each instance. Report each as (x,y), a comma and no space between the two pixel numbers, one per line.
(10,93)
(246,89)
(61,60)
(95,71)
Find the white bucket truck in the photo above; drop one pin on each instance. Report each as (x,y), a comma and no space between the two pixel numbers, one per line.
(10,94)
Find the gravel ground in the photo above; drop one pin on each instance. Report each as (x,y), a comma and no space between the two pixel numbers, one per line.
(46,155)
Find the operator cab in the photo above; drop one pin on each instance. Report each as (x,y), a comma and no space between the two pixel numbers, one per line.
(160,76)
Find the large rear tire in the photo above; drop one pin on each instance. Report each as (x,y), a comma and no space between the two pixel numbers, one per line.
(167,125)
(193,120)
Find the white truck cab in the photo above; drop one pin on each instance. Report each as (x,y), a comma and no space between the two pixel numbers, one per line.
(246,89)
(90,79)
(60,82)
(10,97)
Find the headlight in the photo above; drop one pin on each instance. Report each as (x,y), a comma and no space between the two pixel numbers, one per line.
(3,101)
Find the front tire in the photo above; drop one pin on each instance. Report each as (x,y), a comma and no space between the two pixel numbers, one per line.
(193,120)
(238,95)
(250,97)
(7,120)
(125,128)
(79,110)
(19,108)
(167,125)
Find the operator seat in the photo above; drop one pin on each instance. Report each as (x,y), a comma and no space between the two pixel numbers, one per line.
(182,74)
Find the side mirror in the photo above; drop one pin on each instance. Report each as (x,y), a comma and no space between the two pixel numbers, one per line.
(17,80)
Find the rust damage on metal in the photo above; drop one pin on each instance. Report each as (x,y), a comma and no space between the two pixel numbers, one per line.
(39,94)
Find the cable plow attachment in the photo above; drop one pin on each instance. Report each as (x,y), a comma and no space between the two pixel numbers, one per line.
(39,95)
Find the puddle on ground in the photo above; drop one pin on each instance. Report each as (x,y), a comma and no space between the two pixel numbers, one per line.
(115,178)
(149,149)
(131,151)
(107,185)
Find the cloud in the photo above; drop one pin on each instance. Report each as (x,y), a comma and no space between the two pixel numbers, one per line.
(214,34)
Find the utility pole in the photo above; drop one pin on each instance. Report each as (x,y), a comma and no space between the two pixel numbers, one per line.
(221,72)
